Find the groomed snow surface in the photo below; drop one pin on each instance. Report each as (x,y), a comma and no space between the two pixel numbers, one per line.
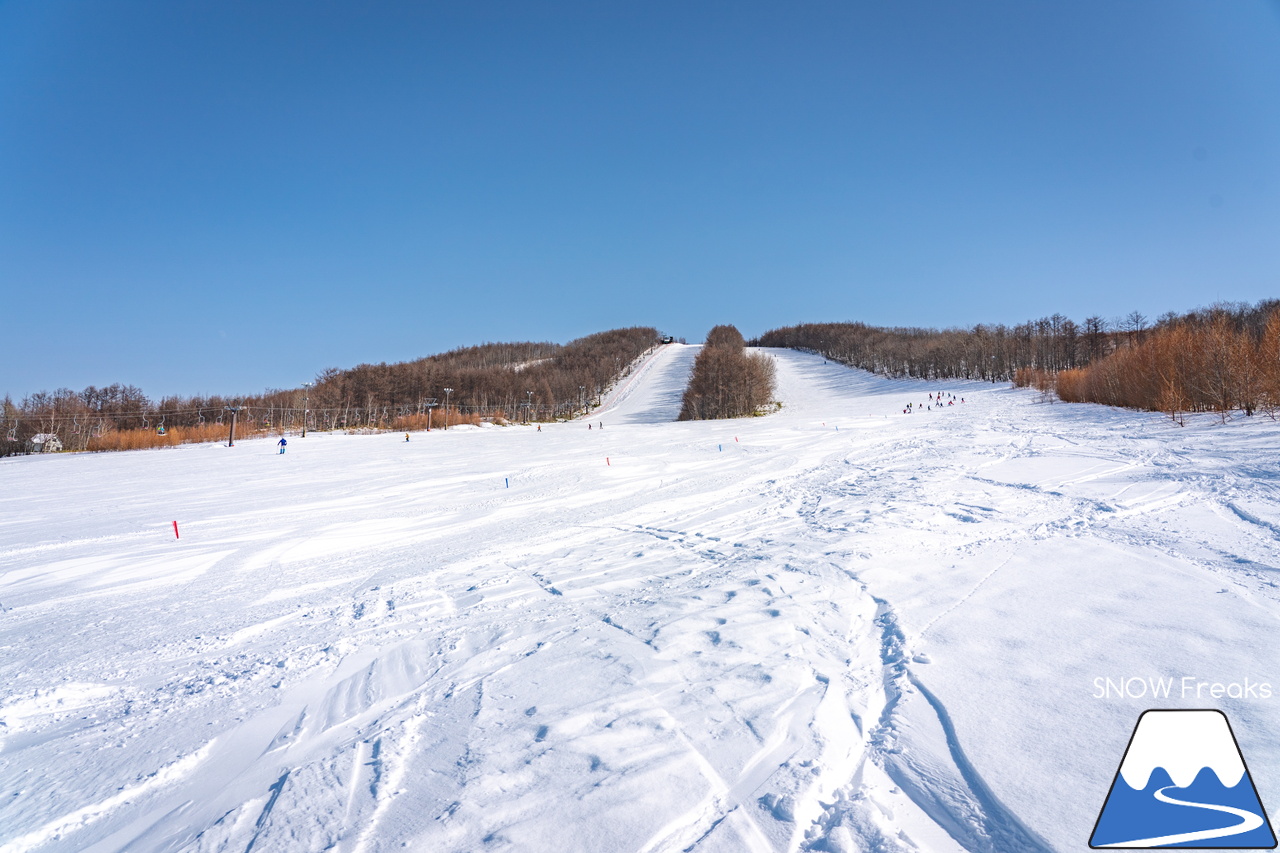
(834,628)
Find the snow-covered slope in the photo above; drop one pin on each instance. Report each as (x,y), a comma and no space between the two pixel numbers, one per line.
(651,395)
(835,628)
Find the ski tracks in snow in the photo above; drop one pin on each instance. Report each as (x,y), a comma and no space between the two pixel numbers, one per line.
(707,645)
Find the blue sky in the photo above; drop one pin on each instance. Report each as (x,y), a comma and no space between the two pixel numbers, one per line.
(222,197)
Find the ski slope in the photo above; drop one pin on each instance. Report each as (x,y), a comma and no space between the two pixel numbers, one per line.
(835,628)
(652,393)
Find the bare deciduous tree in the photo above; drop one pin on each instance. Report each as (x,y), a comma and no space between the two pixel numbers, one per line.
(727,381)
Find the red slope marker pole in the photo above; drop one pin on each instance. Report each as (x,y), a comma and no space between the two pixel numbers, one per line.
(175,531)
(607,462)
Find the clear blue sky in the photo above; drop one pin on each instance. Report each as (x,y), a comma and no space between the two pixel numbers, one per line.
(219,197)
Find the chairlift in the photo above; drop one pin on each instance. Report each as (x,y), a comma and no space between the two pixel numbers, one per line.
(160,426)
(13,432)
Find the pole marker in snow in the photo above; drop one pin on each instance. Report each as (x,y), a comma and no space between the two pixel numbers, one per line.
(735,438)
(607,462)
(720,447)
(507,480)
(175,531)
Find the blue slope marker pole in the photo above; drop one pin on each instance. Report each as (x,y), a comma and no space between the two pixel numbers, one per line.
(507,480)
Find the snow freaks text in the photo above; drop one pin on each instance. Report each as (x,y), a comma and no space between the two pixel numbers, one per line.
(1186,687)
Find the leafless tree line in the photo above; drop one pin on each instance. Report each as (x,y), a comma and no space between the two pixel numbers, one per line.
(489,380)
(1219,359)
(987,352)
(726,380)
(493,378)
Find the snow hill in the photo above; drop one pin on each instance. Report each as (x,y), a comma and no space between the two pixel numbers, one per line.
(835,628)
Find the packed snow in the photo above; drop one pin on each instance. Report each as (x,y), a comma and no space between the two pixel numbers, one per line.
(835,628)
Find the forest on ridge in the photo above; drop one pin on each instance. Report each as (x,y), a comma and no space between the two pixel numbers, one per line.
(1218,359)
(492,381)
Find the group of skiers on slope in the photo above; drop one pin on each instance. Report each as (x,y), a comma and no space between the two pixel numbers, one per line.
(935,402)
(283,444)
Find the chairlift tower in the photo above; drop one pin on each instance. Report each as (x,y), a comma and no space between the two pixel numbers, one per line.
(231,437)
(306,405)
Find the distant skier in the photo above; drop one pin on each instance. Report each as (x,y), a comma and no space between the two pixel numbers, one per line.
(539,427)
(282,444)
(406,436)
(602,425)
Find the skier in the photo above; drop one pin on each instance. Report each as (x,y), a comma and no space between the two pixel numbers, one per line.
(406,436)
(282,444)
(539,427)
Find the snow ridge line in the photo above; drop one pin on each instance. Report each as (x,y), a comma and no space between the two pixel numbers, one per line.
(965,807)
(265,815)
(79,819)
(1249,517)
(1006,830)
